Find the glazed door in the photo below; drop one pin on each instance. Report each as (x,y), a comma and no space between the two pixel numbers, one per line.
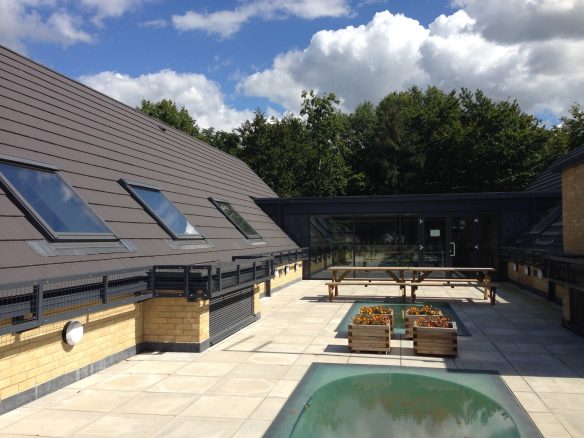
(433,250)
(463,245)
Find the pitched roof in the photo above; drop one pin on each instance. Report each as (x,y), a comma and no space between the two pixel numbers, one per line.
(94,141)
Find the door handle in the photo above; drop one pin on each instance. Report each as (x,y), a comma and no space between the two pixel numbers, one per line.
(452,249)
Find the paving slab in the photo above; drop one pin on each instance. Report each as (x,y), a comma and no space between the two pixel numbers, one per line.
(238,386)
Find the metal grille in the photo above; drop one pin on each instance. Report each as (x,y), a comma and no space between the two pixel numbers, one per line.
(229,313)
(577,310)
(208,281)
(27,305)
(18,306)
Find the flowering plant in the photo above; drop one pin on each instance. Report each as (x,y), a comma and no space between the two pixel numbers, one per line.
(371,319)
(424,310)
(440,322)
(376,310)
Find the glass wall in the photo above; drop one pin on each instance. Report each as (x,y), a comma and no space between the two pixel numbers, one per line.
(401,240)
(331,244)
(364,240)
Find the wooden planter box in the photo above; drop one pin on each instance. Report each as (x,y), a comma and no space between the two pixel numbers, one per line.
(436,340)
(409,320)
(374,338)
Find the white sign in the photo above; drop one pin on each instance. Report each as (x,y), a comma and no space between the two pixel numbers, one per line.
(435,233)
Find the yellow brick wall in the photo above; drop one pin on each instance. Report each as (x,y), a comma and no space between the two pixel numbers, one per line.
(176,320)
(573,208)
(258,289)
(533,281)
(36,356)
(529,280)
(317,267)
(282,277)
(564,294)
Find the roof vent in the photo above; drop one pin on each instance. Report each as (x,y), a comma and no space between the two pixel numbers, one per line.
(162,128)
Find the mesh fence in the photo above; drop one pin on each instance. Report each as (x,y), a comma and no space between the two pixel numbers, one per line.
(27,305)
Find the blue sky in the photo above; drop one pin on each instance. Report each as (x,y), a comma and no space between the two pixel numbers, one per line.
(222,59)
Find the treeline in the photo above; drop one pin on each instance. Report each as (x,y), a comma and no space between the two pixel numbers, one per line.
(415,141)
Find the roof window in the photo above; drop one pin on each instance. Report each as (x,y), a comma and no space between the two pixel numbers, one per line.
(162,210)
(236,219)
(49,202)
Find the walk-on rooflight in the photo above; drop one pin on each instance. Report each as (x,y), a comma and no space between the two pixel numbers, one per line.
(236,219)
(50,202)
(162,210)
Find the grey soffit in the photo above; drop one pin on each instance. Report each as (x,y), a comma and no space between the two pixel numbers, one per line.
(94,141)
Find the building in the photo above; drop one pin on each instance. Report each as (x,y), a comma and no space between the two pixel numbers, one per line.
(548,257)
(147,237)
(466,229)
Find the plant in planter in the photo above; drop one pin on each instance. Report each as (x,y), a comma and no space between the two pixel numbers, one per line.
(435,335)
(379,310)
(415,312)
(370,331)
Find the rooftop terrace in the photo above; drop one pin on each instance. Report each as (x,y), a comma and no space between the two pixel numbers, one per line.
(237,387)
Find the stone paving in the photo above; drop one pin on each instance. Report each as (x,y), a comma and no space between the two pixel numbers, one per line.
(237,387)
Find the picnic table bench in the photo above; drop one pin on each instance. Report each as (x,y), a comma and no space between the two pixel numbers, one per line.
(414,277)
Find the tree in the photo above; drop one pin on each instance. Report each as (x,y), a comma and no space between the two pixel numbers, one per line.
(573,127)
(326,169)
(166,111)
(503,146)
(360,129)
(277,150)
(223,140)
(413,144)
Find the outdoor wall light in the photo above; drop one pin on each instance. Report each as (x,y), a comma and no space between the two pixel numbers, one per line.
(72,332)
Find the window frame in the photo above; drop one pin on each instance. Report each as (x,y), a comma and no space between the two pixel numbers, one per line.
(35,218)
(215,202)
(128,185)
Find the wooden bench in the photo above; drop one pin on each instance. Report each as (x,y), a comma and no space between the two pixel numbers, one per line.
(490,288)
(331,286)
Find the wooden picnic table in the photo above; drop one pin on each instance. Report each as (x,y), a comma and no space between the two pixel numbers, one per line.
(413,276)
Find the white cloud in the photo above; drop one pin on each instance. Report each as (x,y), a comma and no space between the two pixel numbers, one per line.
(155,24)
(227,22)
(512,21)
(358,63)
(200,96)
(21,21)
(56,21)
(109,8)
(393,52)
(224,23)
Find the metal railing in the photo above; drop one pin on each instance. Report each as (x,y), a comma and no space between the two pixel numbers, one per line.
(209,281)
(280,257)
(28,305)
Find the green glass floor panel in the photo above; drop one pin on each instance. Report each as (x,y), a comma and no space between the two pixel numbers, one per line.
(398,309)
(362,401)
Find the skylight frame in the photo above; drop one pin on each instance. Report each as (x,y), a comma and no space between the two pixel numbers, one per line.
(129,186)
(216,202)
(35,218)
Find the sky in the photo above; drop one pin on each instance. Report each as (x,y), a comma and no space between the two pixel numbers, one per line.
(221,60)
